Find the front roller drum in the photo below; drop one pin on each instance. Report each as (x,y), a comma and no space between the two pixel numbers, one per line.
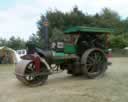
(26,73)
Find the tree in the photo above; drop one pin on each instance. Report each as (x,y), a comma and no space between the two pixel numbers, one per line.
(3,42)
(59,21)
(57,35)
(111,19)
(16,43)
(118,41)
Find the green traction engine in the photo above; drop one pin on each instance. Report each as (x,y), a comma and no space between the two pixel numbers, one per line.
(83,52)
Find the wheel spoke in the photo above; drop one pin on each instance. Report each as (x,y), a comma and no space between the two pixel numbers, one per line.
(99,58)
(29,77)
(91,59)
(30,66)
(90,66)
(90,69)
(95,56)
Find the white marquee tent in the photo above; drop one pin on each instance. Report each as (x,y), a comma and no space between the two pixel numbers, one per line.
(8,56)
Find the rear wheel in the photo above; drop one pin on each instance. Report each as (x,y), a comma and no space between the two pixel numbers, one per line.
(94,63)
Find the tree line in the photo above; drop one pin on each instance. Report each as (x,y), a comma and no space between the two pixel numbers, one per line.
(15,43)
(59,21)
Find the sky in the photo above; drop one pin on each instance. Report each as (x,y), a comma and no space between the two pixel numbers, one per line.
(19,17)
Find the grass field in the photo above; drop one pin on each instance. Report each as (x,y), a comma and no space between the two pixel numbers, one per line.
(112,87)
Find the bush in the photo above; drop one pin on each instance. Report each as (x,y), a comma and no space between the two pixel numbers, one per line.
(118,41)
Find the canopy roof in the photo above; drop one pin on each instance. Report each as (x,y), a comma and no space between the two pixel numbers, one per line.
(84,29)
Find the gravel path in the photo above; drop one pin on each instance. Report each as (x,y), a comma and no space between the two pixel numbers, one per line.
(112,87)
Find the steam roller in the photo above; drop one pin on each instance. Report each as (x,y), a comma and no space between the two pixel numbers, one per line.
(83,51)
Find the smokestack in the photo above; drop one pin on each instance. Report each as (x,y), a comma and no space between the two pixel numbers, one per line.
(46,33)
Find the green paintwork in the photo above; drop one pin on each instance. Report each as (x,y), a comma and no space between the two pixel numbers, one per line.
(69,49)
(59,55)
(94,30)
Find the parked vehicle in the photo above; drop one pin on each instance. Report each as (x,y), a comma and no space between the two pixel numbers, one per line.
(21,52)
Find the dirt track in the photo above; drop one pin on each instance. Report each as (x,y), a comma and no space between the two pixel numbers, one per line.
(113,87)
